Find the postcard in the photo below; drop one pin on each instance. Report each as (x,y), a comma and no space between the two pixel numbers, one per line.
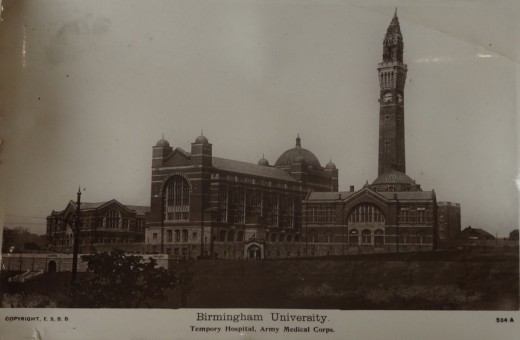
(259,169)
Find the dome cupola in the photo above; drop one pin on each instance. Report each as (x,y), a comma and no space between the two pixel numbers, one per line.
(201,139)
(330,165)
(263,161)
(297,155)
(162,142)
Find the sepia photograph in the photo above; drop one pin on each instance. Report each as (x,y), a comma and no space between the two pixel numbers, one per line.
(258,168)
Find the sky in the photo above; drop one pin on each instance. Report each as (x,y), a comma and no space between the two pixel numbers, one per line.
(88,87)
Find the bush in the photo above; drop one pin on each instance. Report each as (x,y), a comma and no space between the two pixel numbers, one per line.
(121,281)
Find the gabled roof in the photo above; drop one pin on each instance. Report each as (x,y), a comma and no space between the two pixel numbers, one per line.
(476,231)
(180,151)
(251,169)
(408,195)
(325,196)
(402,195)
(88,205)
(140,210)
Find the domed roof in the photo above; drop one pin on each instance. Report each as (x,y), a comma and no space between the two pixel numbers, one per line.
(263,161)
(299,159)
(394,177)
(162,142)
(330,165)
(290,156)
(201,139)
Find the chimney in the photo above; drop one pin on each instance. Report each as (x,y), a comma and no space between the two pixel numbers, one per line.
(351,188)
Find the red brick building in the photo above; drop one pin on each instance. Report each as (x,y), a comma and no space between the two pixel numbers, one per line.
(103,225)
(210,206)
(448,219)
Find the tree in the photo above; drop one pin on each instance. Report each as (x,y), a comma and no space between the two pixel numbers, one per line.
(121,281)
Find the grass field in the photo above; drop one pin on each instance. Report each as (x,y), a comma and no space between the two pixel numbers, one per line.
(418,281)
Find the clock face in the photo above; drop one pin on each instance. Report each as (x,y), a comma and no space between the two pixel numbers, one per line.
(399,98)
(387,97)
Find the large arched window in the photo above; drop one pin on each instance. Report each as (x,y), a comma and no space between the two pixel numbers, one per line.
(177,199)
(366,213)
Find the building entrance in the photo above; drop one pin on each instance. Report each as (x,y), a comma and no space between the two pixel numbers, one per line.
(51,267)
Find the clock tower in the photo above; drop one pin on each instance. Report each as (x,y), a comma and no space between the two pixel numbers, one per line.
(392,78)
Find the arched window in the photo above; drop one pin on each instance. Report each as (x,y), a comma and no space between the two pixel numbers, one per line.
(231,236)
(366,213)
(112,219)
(273,237)
(281,237)
(177,236)
(169,236)
(379,238)
(184,236)
(240,236)
(366,237)
(177,199)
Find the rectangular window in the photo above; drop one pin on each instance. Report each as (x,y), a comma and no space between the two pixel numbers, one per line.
(154,236)
(194,235)
(421,215)
(223,205)
(273,210)
(241,207)
(256,203)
